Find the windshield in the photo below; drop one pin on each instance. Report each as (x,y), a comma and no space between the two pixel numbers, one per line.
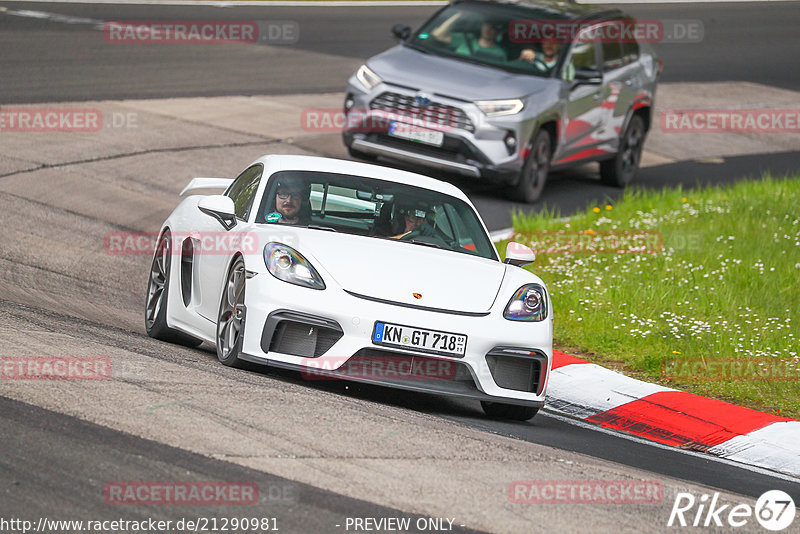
(373,208)
(479,33)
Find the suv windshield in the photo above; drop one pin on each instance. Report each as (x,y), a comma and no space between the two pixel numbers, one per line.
(480,33)
(373,208)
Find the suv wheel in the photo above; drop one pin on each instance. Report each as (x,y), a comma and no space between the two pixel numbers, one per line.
(534,173)
(620,170)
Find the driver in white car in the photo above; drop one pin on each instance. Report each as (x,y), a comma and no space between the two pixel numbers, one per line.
(413,218)
(291,204)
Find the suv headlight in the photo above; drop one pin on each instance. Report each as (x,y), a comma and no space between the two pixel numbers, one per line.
(367,78)
(285,263)
(529,303)
(497,108)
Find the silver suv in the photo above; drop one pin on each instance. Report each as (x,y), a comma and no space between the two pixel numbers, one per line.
(506,91)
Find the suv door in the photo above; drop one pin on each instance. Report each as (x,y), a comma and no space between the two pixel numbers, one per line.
(582,115)
(621,81)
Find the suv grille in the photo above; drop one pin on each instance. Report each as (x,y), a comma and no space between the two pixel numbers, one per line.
(434,113)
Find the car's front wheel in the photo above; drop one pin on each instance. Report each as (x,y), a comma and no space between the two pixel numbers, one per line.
(497,410)
(231,317)
(534,172)
(155,312)
(622,169)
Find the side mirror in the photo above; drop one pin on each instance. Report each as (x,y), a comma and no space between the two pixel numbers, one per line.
(587,76)
(519,255)
(401,31)
(221,208)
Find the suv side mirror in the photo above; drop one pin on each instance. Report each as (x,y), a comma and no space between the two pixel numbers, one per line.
(221,208)
(587,76)
(401,31)
(519,255)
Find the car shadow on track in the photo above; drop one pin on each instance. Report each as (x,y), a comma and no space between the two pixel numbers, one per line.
(411,400)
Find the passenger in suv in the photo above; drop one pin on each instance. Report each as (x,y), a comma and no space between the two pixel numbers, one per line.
(483,89)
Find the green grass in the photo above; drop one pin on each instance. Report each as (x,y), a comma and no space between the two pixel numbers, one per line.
(726,286)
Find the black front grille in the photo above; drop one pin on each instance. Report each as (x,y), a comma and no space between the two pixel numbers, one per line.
(299,334)
(413,369)
(433,113)
(513,370)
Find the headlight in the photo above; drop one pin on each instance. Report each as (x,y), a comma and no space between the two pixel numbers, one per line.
(367,78)
(496,108)
(529,303)
(285,263)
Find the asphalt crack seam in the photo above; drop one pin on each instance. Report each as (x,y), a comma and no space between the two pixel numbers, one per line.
(141,153)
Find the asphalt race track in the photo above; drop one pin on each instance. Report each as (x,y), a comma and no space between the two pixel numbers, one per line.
(319,452)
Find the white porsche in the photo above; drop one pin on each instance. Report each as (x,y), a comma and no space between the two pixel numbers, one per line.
(345,270)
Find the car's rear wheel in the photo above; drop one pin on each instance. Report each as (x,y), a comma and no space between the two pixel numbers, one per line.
(622,169)
(534,172)
(497,410)
(155,311)
(231,317)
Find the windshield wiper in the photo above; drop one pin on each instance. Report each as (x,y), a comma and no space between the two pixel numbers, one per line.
(418,48)
(325,228)
(426,243)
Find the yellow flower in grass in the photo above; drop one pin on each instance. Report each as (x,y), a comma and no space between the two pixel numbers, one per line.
(609,207)
(676,352)
(684,199)
(589,231)
(596,209)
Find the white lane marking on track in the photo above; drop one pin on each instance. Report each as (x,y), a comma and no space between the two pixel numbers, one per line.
(705,456)
(54,17)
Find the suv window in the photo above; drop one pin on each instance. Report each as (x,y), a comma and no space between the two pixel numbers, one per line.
(612,56)
(478,32)
(630,52)
(243,190)
(583,55)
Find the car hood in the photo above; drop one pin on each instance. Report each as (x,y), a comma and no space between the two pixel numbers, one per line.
(430,73)
(394,271)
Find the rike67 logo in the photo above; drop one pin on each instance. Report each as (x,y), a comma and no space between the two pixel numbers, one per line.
(774,510)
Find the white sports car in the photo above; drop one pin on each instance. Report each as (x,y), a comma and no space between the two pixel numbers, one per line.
(352,271)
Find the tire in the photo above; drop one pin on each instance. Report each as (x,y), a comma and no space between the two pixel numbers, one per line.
(622,169)
(155,307)
(357,154)
(533,175)
(231,316)
(497,410)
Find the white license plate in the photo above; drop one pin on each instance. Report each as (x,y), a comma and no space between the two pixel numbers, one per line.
(414,133)
(419,339)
